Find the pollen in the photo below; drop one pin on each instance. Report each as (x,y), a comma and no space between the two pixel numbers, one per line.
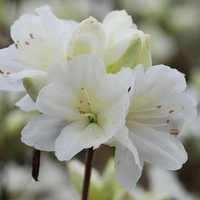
(8,73)
(174,132)
(91,22)
(31,35)
(167,121)
(159,106)
(27,43)
(1,72)
(171,111)
(81,101)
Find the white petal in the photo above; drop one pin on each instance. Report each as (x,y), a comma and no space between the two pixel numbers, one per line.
(79,135)
(160,149)
(87,71)
(26,104)
(13,60)
(6,85)
(58,100)
(115,21)
(26,73)
(155,85)
(127,170)
(180,77)
(128,166)
(42,132)
(184,105)
(50,22)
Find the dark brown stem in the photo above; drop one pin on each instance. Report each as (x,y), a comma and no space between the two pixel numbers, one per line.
(36,164)
(88,169)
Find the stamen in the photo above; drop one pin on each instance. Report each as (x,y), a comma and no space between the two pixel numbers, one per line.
(129,89)
(89,102)
(145,124)
(174,132)
(31,36)
(139,114)
(1,72)
(145,110)
(27,43)
(167,121)
(8,73)
(84,109)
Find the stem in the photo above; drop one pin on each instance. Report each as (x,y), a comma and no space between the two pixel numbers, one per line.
(36,164)
(88,169)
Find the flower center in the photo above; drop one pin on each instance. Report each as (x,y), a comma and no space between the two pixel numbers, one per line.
(85,106)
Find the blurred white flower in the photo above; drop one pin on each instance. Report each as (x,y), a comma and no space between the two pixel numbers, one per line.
(166,184)
(20,185)
(83,107)
(158,109)
(191,129)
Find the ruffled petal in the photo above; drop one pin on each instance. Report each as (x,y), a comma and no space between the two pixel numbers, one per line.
(42,132)
(155,85)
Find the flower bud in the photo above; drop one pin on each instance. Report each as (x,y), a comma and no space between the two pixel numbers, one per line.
(138,52)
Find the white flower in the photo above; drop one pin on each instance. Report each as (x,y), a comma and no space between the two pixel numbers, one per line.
(158,109)
(116,40)
(36,47)
(83,107)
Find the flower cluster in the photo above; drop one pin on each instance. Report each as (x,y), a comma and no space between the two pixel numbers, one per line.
(94,84)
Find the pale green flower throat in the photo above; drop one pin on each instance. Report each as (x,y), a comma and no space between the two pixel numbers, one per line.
(85,106)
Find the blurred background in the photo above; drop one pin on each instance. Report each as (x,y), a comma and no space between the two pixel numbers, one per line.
(174,28)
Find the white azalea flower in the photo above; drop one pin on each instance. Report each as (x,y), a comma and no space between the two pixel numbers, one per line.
(115,40)
(36,47)
(82,107)
(158,109)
